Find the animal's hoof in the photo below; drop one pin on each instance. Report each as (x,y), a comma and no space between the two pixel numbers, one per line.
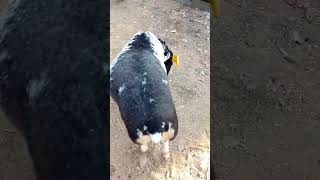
(144,148)
(166,155)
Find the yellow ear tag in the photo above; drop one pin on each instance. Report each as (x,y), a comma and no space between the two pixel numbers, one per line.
(175,60)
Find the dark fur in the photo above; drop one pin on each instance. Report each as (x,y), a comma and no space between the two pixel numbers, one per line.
(53,85)
(133,103)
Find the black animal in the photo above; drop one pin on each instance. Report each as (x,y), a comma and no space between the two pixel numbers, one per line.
(139,85)
(54,81)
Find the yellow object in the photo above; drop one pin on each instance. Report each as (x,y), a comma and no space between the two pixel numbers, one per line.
(176,60)
(216,7)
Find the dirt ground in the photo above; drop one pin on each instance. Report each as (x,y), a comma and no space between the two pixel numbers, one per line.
(186,31)
(266,90)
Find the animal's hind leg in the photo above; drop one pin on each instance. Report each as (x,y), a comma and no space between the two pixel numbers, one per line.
(143,141)
(165,149)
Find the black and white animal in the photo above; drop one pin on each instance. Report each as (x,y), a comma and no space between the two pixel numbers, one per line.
(139,86)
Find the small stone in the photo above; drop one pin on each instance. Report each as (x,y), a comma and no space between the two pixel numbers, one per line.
(173,31)
(281,102)
(202,73)
(309,14)
(297,37)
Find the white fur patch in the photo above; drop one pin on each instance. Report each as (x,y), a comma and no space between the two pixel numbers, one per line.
(156,137)
(165,81)
(158,49)
(35,86)
(139,133)
(144,82)
(121,88)
(163,124)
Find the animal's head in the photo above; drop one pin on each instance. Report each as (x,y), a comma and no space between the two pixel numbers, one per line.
(160,48)
(168,55)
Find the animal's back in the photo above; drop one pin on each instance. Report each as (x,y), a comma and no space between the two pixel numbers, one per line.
(140,87)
